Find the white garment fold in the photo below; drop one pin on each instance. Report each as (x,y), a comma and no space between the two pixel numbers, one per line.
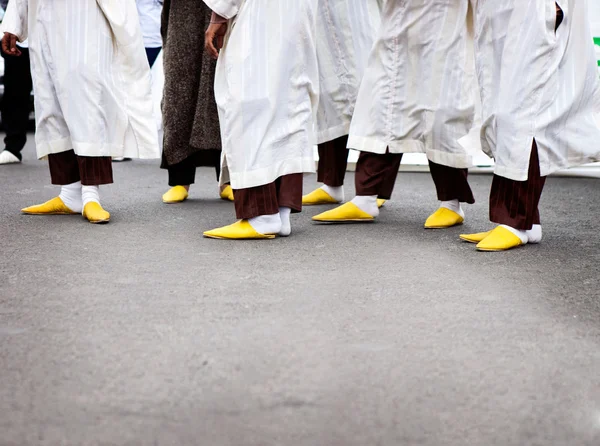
(418,92)
(90,74)
(266,89)
(537,84)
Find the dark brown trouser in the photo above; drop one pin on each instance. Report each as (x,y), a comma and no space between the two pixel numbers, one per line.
(184,172)
(515,203)
(286,191)
(376,175)
(68,168)
(333,161)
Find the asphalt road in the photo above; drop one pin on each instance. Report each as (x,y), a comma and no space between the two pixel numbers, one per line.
(141,332)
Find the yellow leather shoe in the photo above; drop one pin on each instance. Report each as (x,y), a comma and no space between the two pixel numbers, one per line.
(500,239)
(318,197)
(176,194)
(474,238)
(53,207)
(227,193)
(443,218)
(241,230)
(94,213)
(380,202)
(347,212)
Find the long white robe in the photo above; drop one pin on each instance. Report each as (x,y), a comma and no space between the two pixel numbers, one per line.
(266,87)
(537,84)
(90,74)
(346,31)
(418,92)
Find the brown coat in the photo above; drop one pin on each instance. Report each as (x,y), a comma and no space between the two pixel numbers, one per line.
(190,119)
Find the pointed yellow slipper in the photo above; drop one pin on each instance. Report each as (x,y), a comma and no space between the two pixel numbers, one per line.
(176,194)
(318,197)
(94,213)
(474,238)
(241,230)
(227,193)
(443,218)
(52,207)
(500,239)
(345,213)
(380,202)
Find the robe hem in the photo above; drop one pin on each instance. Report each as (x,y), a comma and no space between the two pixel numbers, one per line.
(333,133)
(260,177)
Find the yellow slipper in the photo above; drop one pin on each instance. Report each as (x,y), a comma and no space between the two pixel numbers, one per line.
(443,218)
(348,212)
(380,202)
(500,239)
(241,230)
(176,194)
(94,213)
(53,207)
(474,238)
(227,193)
(318,197)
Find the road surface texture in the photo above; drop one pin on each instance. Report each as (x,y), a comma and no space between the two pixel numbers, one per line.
(141,332)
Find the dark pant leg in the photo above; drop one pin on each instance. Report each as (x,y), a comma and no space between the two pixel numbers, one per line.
(333,161)
(289,191)
(376,174)
(255,201)
(152,54)
(64,168)
(451,183)
(95,170)
(16,101)
(183,173)
(515,203)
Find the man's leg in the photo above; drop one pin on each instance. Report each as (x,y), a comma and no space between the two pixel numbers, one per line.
(181,176)
(289,198)
(452,188)
(16,105)
(375,178)
(64,171)
(94,171)
(331,171)
(514,206)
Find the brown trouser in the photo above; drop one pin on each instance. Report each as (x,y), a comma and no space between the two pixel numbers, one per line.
(333,161)
(515,203)
(286,191)
(68,168)
(376,175)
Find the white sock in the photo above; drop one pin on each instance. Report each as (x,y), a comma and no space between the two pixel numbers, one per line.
(367,203)
(453,205)
(266,224)
(534,235)
(337,193)
(89,194)
(70,195)
(521,234)
(286,226)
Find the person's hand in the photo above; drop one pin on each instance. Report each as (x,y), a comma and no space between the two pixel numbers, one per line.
(214,38)
(9,45)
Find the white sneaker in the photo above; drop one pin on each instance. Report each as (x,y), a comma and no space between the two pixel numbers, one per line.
(7,157)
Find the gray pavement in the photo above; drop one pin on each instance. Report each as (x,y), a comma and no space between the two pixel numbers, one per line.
(141,332)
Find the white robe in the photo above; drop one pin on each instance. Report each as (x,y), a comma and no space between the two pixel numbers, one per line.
(537,84)
(345,34)
(266,87)
(418,92)
(90,74)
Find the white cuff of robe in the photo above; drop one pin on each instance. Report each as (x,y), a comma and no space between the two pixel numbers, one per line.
(225,8)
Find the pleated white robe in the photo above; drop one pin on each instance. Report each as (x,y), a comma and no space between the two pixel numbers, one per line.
(537,84)
(266,87)
(90,74)
(346,30)
(418,92)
